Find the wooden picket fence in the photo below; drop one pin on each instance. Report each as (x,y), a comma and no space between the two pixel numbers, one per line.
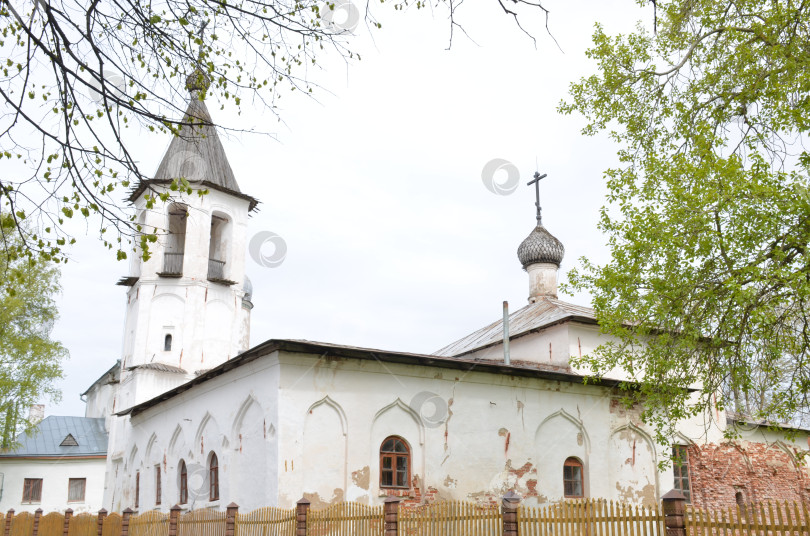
(112,525)
(149,523)
(266,522)
(52,524)
(346,519)
(203,522)
(83,524)
(22,524)
(590,517)
(768,519)
(450,518)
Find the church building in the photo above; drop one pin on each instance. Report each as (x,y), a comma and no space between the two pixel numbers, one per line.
(198,418)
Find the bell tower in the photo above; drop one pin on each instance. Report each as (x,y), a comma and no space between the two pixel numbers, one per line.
(187,306)
(188,303)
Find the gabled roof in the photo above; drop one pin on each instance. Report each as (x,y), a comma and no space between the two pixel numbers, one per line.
(197,155)
(111,376)
(541,314)
(519,369)
(48,439)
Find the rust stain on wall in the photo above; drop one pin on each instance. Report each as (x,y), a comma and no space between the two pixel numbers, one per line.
(447,421)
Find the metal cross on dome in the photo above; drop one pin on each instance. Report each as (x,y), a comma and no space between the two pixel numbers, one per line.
(536,182)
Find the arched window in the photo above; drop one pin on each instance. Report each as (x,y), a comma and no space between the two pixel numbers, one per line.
(158,490)
(572,478)
(680,469)
(175,241)
(218,247)
(167,343)
(213,478)
(183,483)
(395,463)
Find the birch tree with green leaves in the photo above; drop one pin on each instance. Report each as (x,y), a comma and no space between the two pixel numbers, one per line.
(708,212)
(30,360)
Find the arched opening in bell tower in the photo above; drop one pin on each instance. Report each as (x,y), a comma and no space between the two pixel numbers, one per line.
(219,246)
(135,261)
(175,240)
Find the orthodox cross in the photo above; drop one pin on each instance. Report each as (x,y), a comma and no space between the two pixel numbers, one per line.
(536,182)
(202,39)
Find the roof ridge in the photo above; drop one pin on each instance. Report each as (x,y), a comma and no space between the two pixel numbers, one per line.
(544,312)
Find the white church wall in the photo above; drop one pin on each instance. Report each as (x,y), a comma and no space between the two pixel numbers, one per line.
(324,447)
(632,466)
(234,416)
(548,347)
(55,475)
(492,433)
(100,400)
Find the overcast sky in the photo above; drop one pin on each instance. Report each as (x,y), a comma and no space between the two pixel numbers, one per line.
(393,240)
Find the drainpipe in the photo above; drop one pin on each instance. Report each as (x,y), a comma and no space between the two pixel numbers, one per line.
(506,358)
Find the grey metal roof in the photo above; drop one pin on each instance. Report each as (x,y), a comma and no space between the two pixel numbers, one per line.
(197,155)
(46,437)
(543,313)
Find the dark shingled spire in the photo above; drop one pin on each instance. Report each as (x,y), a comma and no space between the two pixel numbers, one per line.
(196,153)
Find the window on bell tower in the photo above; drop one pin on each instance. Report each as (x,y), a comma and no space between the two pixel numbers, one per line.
(167,343)
(218,247)
(175,241)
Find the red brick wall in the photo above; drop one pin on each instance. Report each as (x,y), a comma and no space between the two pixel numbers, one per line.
(758,471)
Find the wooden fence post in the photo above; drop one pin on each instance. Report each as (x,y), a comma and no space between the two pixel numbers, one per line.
(509,505)
(231,511)
(9,517)
(391,515)
(301,508)
(37,515)
(673,505)
(174,516)
(101,515)
(68,515)
(126,514)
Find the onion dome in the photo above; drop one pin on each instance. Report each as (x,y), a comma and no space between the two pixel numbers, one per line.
(198,80)
(540,247)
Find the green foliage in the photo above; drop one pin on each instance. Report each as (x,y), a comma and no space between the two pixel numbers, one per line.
(708,219)
(30,360)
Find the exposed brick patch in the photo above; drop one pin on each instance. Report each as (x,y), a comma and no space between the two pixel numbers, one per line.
(758,471)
